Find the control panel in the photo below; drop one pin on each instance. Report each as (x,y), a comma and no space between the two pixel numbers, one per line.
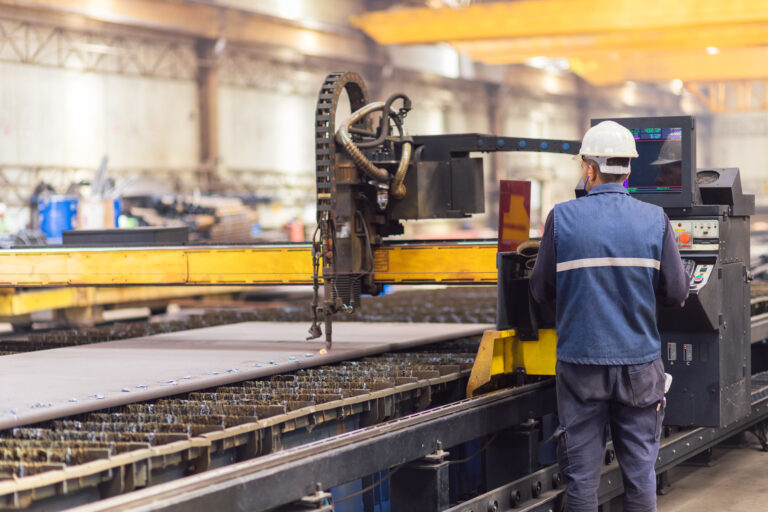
(700,276)
(679,353)
(697,235)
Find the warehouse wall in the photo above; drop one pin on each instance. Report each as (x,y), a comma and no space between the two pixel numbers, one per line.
(70,96)
(62,117)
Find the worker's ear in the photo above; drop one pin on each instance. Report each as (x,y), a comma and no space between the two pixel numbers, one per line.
(592,173)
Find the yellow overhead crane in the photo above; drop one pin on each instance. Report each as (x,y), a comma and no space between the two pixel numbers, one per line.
(606,42)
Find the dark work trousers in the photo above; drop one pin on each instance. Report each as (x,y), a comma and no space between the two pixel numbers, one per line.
(631,400)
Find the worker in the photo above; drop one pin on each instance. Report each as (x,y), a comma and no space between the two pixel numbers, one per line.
(606,260)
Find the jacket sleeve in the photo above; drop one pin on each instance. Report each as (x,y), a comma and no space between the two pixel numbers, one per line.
(673,281)
(542,281)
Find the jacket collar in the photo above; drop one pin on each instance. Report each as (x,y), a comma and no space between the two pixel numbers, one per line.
(608,188)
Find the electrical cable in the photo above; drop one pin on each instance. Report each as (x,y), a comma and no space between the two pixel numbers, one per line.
(370,487)
(478,452)
(367,241)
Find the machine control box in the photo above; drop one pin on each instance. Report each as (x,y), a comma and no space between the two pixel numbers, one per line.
(696,235)
(706,343)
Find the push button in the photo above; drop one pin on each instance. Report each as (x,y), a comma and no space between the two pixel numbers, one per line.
(685,238)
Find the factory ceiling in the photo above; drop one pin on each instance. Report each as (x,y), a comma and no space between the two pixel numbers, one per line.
(605,41)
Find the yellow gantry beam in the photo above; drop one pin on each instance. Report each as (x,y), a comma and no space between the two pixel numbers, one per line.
(530,18)
(728,64)
(614,44)
(459,262)
(606,41)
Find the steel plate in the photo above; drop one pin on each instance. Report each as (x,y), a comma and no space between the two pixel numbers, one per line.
(38,386)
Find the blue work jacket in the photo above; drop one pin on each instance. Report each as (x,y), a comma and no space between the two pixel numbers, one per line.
(605,258)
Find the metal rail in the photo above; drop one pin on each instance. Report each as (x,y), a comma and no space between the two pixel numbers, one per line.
(287,476)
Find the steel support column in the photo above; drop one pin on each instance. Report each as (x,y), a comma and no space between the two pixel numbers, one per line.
(208,101)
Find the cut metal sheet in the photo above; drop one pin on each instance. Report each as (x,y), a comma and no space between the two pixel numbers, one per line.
(38,386)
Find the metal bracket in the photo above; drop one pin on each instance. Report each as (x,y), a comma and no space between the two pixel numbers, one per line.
(320,501)
(438,456)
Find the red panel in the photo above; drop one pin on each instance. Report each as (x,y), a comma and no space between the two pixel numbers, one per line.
(514,214)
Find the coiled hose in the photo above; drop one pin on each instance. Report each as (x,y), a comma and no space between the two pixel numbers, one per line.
(396,187)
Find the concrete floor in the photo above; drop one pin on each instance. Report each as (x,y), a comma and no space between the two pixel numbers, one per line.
(736,481)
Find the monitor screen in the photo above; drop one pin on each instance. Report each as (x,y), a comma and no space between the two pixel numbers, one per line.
(659,168)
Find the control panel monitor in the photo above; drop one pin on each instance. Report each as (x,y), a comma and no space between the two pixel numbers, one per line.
(663,172)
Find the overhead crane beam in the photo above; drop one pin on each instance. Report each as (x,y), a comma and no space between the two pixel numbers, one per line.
(606,42)
(732,95)
(690,65)
(531,18)
(615,44)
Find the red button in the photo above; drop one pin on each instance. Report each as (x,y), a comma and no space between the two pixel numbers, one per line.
(685,238)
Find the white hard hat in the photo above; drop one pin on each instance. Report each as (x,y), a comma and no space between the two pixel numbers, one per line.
(608,140)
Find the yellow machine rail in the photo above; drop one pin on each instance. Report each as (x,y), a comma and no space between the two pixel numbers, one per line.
(19,303)
(456,262)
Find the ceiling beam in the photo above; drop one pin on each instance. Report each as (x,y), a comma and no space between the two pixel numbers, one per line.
(687,65)
(210,21)
(531,18)
(584,46)
(732,96)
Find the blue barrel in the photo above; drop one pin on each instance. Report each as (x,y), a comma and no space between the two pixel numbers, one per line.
(118,208)
(56,215)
